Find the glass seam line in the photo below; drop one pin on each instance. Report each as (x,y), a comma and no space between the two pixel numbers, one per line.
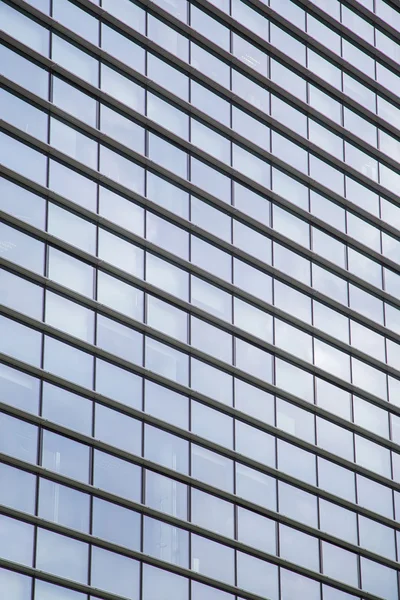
(192,528)
(277,18)
(226,208)
(215,124)
(253,37)
(174,259)
(97,352)
(101,54)
(185,524)
(200,485)
(192,309)
(189,350)
(218,242)
(364,12)
(108,311)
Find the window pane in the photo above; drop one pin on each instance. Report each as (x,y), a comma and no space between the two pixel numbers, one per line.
(212,559)
(162,585)
(65,456)
(114,573)
(64,505)
(166,449)
(116,524)
(62,556)
(117,476)
(68,409)
(14,585)
(68,362)
(165,542)
(16,541)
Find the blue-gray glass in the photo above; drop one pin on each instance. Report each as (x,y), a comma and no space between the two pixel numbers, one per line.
(212,468)
(121,129)
(159,584)
(297,462)
(64,505)
(166,495)
(166,235)
(116,524)
(119,340)
(16,541)
(20,341)
(22,203)
(298,504)
(62,556)
(117,429)
(17,489)
(257,576)
(336,479)
(166,449)
(212,513)
(20,585)
(119,384)
(296,586)
(49,591)
(117,476)
(254,443)
(299,548)
(168,195)
(65,456)
(213,559)
(76,19)
(377,537)
(378,579)
(72,185)
(75,60)
(211,424)
(25,30)
(23,159)
(166,361)
(123,89)
(214,221)
(66,408)
(71,228)
(19,389)
(200,591)
(256,531)
(114,573)
(120,296)
(374,496)
(167,155)
(128,12)
(166,404)
(123,48)
(23,115)
(167,115)
(18,438)
(340,564)
(338,521)
(166,542)
(255,486)
(68,362)
(167,76)
(211,381)
(24,72)
(167,37)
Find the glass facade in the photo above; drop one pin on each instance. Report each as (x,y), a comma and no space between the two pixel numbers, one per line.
(199,299)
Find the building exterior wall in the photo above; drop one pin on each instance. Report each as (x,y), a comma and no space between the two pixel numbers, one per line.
(199,300)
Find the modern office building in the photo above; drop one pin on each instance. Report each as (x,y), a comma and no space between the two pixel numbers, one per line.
(199,299)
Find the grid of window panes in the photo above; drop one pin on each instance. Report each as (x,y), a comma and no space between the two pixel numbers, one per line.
(199,300)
